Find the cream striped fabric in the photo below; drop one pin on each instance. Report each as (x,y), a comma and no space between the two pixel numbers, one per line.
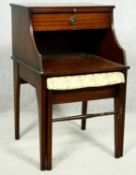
(84,81)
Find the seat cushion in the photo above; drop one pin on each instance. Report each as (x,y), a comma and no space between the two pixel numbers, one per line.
(84,81)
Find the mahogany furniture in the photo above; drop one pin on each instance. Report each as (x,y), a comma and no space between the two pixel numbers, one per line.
(57,41)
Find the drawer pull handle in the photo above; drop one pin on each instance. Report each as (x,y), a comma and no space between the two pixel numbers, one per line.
(73,20)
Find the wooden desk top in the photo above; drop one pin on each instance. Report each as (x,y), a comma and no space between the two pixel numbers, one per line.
(66,64)
(64,7)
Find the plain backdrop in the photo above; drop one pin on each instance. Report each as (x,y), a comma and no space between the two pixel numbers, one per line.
(23,157)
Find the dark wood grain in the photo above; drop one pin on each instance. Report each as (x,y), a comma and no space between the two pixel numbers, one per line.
(83,117)
(41,8)
(110,48)
(53,22)
(42,107)
(45,44)
(119,119)
(24,47)
(49,130)
(69,8)
(84,94)
(78,63)
(17,83)
(84,112)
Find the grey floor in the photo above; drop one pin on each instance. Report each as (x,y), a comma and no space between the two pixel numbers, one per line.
(74,151)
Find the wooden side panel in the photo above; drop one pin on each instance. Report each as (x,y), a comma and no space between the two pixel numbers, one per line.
(109,47)
(52,22)
(23,42)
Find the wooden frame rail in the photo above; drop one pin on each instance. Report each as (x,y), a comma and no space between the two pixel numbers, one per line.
(86,116)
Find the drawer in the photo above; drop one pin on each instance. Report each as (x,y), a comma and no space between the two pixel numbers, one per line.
(71,21)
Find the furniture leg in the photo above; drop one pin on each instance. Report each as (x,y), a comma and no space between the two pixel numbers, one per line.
(49,130)
(17,84)
(84,111)
(41,98)
(119,120)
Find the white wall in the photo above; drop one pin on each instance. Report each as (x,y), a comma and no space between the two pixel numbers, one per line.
(125,26)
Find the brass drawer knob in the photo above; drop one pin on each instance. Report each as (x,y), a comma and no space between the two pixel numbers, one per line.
(73,20)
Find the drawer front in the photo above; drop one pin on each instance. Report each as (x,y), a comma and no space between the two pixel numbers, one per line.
(73,21)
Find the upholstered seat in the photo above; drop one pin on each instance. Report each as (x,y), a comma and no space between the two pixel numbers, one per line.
(84,81)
